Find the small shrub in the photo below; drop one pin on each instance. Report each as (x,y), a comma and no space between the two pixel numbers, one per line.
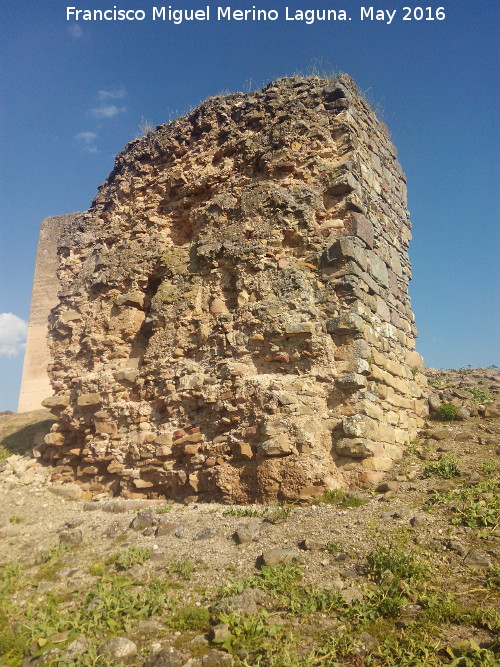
(334,547)
(241,511)
(13,643)
(447,412)
(184,567)
(10,574)
(16,519)
(54,553)
(493,577)
(164,509)
(468,505)
(339,498)
(489,467)
(277,514)
(446,468)
(470,655)
(189,618)
(115,602)
(352,501)
(130,557)
(399,559)
(253,633)
(276,579)
(144,128)
(480,513)
(480,395)
(440,382)
(332,497)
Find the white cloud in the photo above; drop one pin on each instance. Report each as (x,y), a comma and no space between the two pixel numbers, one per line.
(107,111)
(87,141)
(75,31)
(12,334)
(116,94)
(86,137)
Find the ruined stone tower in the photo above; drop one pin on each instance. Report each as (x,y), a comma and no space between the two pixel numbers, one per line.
(234,321)
(35,383)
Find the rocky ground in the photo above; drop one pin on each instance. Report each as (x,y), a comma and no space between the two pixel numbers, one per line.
(406,573)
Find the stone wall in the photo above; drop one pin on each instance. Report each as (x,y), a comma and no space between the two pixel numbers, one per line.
(234,322)
(35,383)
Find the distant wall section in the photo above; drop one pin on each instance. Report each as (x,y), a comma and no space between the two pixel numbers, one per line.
(35,384)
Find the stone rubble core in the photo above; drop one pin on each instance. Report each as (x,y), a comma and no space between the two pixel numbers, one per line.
(233,321)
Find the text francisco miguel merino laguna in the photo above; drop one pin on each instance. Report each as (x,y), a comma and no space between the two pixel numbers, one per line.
(219,13)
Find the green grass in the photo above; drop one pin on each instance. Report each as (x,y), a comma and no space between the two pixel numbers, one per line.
(284,584)
(442,607)
(272,579)
(112,607)
(12,638)
(272,514)
(297,628)
(401,575)
(116,601)
(97,570)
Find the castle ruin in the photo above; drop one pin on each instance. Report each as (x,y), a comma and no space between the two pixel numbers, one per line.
(233,320)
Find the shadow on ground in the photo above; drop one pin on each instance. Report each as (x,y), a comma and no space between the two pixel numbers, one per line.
(19,433)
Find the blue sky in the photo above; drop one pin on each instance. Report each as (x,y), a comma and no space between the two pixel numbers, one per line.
(73,94)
